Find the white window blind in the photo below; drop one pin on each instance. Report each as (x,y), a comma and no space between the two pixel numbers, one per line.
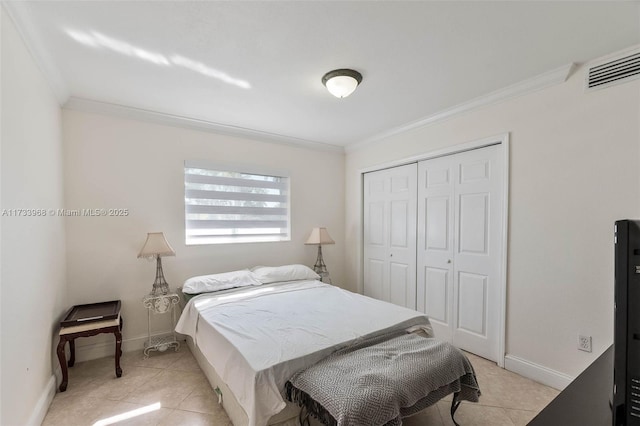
(224,206)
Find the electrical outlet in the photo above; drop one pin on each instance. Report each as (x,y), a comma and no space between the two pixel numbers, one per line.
(584,343)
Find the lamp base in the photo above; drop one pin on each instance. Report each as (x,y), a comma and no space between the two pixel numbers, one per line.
(320,268)
(160,285)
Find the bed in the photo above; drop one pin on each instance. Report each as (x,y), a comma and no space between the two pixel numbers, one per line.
(253,334)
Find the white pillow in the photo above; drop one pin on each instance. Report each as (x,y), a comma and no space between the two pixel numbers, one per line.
(217,282)
(273,274)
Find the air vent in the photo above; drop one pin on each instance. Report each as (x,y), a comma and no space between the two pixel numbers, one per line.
(619,70)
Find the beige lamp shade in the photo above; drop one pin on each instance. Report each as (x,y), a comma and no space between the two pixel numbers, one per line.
(156,245)
(319,236)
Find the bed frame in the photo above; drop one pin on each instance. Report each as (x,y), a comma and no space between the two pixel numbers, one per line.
(287,417)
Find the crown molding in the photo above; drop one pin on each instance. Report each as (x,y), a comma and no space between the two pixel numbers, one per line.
(93,106)
(17,11)
(547,79)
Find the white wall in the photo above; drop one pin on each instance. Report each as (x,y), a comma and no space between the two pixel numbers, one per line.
(574,171)
(33,294)
(114,162)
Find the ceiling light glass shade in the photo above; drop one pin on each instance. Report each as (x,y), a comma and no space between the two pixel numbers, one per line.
(342,86)
(341,83)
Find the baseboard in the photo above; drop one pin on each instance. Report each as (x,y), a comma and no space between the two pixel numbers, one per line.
(539,373)
(105,349)
(42,406)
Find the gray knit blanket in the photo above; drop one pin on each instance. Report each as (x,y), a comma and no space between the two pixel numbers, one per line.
(380,381)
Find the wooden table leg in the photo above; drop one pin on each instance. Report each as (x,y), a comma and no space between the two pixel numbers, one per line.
(67,335)
(118,351)
(72,350)
(63,364)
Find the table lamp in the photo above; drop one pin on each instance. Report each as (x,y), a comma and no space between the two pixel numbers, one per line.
(320,236)
(157,246)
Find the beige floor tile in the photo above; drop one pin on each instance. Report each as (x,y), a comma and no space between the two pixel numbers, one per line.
(150,418)
(190,418)
(97,368)
(75,397)
(118,388)
(470,414)
(79,411)
(170,388)
(502,388)
(202,400)
(185,363)
(77,386)
(520,417)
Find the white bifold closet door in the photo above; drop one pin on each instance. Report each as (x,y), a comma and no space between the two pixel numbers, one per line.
(460,247)
(390,235)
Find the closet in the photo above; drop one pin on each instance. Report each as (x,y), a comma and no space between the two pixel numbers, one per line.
(433,241)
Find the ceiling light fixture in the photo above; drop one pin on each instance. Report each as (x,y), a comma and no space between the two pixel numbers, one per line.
(341,83)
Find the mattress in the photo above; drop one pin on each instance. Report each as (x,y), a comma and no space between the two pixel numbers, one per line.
(256,338)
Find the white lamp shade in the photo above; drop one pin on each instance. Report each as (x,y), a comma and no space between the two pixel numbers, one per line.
(156,245)
(341,86)
(319,236)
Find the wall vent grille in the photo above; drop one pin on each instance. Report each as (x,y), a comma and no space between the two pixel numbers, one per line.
(614,71)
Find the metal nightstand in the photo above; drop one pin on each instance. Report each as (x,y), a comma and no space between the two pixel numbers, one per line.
(161,304)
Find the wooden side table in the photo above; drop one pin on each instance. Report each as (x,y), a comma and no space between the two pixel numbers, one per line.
(85,329)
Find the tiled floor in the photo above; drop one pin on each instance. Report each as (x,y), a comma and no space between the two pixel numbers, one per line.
(175,381)
(507,400)
(171,378)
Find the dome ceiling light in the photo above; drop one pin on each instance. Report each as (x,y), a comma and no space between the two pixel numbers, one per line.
(341,83)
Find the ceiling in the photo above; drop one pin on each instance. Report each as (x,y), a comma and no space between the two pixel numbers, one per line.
(256,67)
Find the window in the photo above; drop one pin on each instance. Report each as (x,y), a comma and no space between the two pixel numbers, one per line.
(224,206)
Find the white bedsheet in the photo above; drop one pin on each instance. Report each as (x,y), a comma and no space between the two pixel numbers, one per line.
(256,338)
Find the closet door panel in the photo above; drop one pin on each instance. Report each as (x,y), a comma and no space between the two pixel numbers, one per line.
(436,294)
(390,235)
(435,250)
(398,221)
(472,295)
(401,287)
(474,223)
(459,234)
(437,214)
(374,287)
(376,212)
(375,230)
(478,241)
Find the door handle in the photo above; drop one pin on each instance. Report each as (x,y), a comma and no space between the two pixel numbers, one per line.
(448,260)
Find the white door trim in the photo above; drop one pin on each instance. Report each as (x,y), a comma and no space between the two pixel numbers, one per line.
(503,141)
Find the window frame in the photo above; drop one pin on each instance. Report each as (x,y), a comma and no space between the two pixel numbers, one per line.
(235,237)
